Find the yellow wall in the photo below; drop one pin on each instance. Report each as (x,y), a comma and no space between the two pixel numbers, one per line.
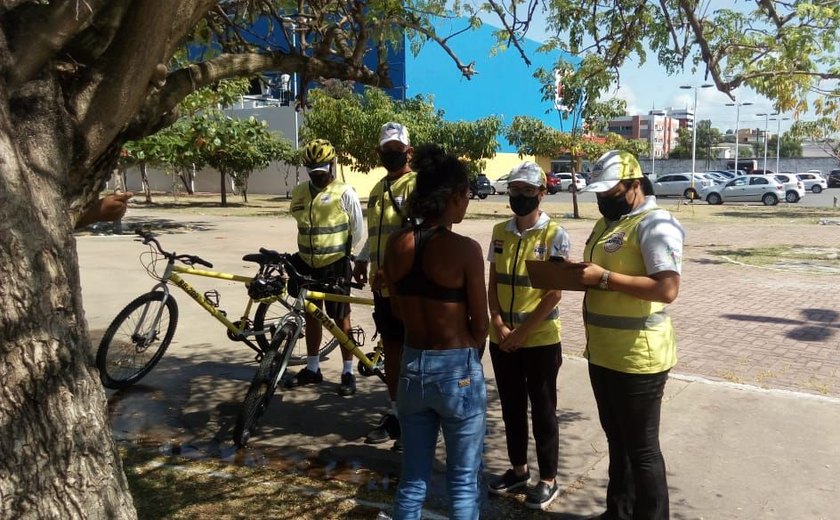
(495,168)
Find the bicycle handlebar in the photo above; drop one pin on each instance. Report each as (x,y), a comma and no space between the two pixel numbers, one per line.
(186,259)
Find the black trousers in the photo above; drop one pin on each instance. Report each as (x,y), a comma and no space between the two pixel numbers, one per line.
(629,406)
(529,373)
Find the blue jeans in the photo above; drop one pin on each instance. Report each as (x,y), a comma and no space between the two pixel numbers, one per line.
(441,390)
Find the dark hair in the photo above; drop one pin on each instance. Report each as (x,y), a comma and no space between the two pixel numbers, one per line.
(439,176)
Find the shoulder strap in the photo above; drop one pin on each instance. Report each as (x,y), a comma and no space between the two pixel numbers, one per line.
(393,201)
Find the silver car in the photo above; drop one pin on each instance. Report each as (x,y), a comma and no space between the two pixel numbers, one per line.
(746,188)
(681,185)
(794,188)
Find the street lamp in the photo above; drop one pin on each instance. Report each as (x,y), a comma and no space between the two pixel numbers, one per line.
(694,125)
(737,123)
(766,116)
(779,138)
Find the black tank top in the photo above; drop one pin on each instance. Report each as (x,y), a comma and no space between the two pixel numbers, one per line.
(416,283)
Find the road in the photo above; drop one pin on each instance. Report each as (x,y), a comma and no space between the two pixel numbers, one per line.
(826,199)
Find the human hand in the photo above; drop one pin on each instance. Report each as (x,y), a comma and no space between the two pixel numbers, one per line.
(377,280)
(360,272)
(513,340)
(591,274)
(106,209)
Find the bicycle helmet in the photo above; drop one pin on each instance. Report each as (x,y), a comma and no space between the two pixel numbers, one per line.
(318,152)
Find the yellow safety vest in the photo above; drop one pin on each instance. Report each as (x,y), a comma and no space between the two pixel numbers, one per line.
(624,333)
(323,223)
(384,218)
(517,299)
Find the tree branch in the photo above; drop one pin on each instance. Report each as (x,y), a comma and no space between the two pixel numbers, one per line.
(184,81)
(42,31)
(513,39)
(468,71)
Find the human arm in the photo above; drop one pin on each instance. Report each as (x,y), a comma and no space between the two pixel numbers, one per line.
(353,207)
(519,335)
(476,293)
(663,286)
(661,240)
(106,209)
(496,320)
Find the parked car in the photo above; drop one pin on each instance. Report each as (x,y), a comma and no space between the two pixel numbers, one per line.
(794,188)
(566,181)
(726,174)
(552,183)
(480,187)
(717,177)
(746,188)
(681,185)
(500,185)
(762,172)
(813,182)
(834,179)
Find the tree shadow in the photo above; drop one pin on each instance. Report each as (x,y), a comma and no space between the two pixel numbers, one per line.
(815,325)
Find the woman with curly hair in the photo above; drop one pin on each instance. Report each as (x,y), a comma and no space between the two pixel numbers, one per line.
(436,279)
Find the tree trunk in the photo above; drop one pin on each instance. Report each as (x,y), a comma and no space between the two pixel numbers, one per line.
(58,458)
(576,166)
(224,189)
(144,181)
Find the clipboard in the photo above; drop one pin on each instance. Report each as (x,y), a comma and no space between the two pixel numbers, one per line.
(555,275)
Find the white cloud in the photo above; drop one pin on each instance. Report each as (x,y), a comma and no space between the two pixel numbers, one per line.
(629,96)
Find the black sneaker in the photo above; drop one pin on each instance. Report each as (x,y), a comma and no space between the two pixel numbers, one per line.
(388,428)
(541,495)
(305,377)
(508,482)
(348,384)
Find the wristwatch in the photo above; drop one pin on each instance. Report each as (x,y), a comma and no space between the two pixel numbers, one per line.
(605,277)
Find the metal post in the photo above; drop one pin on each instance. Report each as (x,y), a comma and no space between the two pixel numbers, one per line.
(765,142)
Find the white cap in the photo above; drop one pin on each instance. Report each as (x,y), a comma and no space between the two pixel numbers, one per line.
(529,173)
(612,168)
(393,132)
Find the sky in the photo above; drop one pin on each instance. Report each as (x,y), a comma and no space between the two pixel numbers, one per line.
(649,86)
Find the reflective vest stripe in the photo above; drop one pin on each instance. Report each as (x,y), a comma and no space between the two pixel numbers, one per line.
(323,230)
(517,318)
(519,281)
(625,322)
(323,250)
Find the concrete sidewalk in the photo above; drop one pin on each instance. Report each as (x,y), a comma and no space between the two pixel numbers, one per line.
(732,452)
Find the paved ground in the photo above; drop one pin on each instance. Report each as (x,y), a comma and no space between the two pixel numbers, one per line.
(766,449)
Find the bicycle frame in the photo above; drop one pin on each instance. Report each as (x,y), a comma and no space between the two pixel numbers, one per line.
(239,333)
(304,302)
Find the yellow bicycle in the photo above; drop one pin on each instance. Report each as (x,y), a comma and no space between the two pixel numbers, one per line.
(289,332)
(138,337)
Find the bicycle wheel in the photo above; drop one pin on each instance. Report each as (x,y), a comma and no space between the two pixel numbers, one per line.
(136,340)
(267,317)
(271,370)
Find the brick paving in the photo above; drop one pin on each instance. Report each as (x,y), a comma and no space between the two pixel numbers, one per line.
(758,326)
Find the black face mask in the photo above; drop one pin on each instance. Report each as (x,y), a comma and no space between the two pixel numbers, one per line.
(320,180)
(393,161)
(523,205)
(613,208)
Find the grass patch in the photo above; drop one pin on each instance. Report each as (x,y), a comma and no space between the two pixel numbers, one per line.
(791,258)
(172,487)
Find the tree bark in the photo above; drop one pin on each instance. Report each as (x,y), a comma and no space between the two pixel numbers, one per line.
(58,458)
(144,181)
(223,189)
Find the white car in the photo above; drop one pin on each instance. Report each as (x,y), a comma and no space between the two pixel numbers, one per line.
(681,185)
(794,188)
(813,182)
(746,188)
(566,181)
(500,185)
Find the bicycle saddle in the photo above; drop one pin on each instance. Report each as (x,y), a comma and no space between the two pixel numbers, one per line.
(265,256)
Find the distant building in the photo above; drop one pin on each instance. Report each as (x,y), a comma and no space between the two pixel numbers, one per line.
(657,128)
(685,116)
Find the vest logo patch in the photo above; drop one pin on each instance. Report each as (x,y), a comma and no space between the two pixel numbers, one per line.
(325,198)
(399,201)
(615,242)
(498,246)
(539,251)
